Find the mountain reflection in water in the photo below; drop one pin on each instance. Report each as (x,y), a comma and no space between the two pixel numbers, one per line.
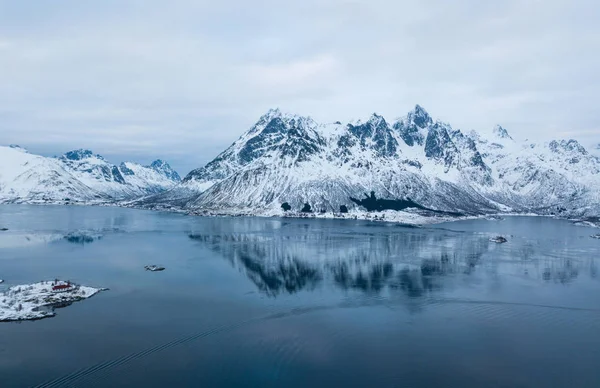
(413,261)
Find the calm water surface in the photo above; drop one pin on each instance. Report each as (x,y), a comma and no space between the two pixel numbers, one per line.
(299,303)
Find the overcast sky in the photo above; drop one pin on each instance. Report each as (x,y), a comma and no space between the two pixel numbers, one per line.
(181,80)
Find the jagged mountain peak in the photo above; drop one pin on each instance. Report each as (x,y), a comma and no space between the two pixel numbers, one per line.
(373,120)
(80,154)
(376,119)
(159,163)
(276,120)
(165,169)
(414,127)
(277,113)
(373,133)
(419,117)
(273,112)
(501,132)
(570,145)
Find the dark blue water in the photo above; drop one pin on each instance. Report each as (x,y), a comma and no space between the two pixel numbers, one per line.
(302,303)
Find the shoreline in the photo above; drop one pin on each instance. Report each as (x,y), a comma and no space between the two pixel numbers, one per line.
(409,218)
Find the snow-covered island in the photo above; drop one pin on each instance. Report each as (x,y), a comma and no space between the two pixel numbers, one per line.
(37,300)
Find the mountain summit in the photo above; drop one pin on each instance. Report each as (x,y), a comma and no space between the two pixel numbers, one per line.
(501,132)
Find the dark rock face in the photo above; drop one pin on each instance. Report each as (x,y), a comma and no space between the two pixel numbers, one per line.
(470,154)
(420,117)
(343,209)
(409,130)
(78,154)
(288,138)
(376,134)
(286,206)
(291,138)
(125,170)
(165,169)
(117,175)
(439,146)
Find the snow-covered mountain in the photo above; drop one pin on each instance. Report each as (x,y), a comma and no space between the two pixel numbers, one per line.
(78,175)
(293,159)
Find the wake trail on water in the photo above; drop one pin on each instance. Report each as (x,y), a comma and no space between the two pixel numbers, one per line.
(93,374)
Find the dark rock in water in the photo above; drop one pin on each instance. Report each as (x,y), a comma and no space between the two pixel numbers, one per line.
(306,209)
(343,209)
(82,237)
(595,236)
(3,229)
(498,239)
(154,268)
(286,206)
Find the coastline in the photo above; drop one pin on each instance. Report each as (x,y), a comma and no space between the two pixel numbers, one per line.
(409,218)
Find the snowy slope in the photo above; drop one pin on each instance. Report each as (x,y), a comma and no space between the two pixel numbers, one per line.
(77,176)
(32,178)
(290,158)
(551,177)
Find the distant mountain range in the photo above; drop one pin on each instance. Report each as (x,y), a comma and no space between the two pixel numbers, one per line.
(286,158)
(77,176)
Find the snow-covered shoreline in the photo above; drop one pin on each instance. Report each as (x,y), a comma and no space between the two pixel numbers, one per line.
(391,216)
(412,218)
(408,218)
(36,301)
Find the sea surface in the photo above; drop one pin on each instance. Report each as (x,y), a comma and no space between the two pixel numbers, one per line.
(271,302)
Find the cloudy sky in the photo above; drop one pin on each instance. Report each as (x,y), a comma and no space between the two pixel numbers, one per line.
(181,80)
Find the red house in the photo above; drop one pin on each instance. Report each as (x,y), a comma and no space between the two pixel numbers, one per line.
(62,287)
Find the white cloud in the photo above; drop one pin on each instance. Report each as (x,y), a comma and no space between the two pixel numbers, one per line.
(295,74)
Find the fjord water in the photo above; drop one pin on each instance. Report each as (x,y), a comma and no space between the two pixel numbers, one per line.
(302,302)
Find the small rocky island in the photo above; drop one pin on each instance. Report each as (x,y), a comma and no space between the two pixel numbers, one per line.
(38,300)
(154,268)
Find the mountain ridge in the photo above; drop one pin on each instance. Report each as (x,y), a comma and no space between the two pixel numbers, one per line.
(290,158)
(77,175)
